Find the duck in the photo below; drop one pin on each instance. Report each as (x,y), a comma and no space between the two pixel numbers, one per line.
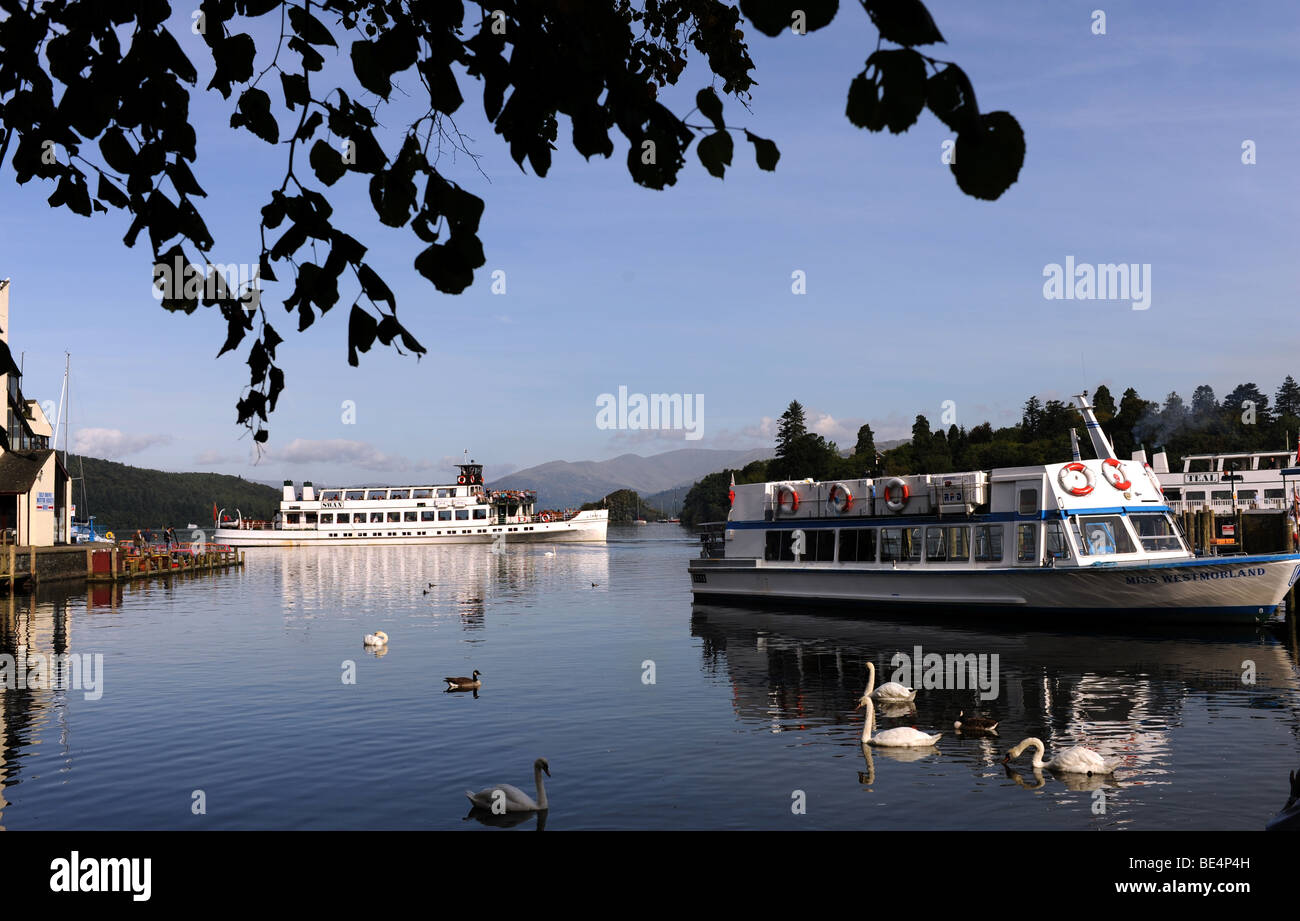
(549,553)
(900,737)
(975,723)
(515,800)
(378,638)
(889,691)
(464,684)
(1077,760)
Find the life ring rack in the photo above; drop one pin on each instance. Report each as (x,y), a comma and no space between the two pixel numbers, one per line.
(1077,467)
(840,499)
(896,504)
(786,494)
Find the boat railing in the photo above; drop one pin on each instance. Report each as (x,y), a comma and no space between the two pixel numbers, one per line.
(1227,505)
(713,542)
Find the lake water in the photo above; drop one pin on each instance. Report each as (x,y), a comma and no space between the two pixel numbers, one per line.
(653,713)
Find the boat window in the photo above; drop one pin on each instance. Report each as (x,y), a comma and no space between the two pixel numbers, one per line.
(958,540)
(429,516)
(936,548)
(422,494)
(444,515)
(377,494)
(912,544)
(444,493)
(376,516)
(394,516)
(1054,541)
(1156,531)
(327,518)
(1173,495)
(480,513)
(891,544)
(292,518)
(331,495)
(1199,465)
(408,516)
(1196,496)
(462,514)
(988,543)
(355,495)
(399,494)
(1026,543)
(344,518)
(821,545)
(1247,494)
(1275,494)
(778,546)
(1106,534)
(1028,501)
(857,545)
(1221,494)
(1237,462)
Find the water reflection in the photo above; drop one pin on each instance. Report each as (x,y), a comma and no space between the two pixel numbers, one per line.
(1122,695)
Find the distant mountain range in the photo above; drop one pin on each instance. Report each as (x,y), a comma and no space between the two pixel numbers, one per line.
(561,484)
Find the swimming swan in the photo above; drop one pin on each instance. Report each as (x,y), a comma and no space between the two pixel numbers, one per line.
(514,799)
(975,723)
(378,638)
(891,690)
(1076,760)
(901,737)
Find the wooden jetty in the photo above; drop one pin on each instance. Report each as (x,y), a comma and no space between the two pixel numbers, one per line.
(123,561)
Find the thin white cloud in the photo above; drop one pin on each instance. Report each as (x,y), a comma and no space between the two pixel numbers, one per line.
(342,451)
(112,443)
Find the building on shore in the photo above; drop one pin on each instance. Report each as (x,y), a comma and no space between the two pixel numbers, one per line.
(35,491)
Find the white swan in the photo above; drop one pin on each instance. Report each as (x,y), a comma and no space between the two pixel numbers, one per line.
(1076,760)
(549,553)
(890,690)
(512,798)
(900,737)
(378,638)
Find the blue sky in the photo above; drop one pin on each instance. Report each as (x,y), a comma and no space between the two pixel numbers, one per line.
(916,294)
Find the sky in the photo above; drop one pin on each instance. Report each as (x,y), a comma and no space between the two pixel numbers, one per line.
(916,294)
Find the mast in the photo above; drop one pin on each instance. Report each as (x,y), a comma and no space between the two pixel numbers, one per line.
(1074,446)
(1099,442)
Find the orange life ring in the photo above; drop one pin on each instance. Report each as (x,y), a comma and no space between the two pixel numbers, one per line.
(545,517)
(1076,467)
(840,499)
(461,480)
(896,505)
(1114,474)
(787,495)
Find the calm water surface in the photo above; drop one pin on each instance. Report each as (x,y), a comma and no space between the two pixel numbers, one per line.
(233,685)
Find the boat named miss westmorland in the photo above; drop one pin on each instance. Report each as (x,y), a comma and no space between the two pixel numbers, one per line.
(461,513)
(1089,537)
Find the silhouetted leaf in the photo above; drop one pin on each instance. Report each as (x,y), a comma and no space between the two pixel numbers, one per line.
(111,193)
(255,113)
(715,151)
(864,108)
(362,328)
(949,95)
(710,106)
(772,17)
(309,27)
(902,82)
(906,22)
(327,162)
(765,151)
(988,159)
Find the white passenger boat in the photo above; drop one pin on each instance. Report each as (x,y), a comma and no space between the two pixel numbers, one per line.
(1090,537)
(1245,480)
(454,513)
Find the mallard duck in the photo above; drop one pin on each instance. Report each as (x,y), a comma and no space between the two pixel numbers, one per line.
(975,723)
(512,798)
(464,684)
(1076,760)
(378,638)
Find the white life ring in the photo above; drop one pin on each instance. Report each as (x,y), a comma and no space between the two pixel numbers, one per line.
(896,505)
(545,517)
(1076,467)
(1114,474)
(786,495)
(840,499)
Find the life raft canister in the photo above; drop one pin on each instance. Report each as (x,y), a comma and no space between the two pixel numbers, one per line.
(840,499)
(1114,474)
(896,504)
(1064,477)
(785,495)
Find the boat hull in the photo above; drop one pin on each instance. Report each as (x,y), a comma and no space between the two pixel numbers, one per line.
(1245,589)
(585,527)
